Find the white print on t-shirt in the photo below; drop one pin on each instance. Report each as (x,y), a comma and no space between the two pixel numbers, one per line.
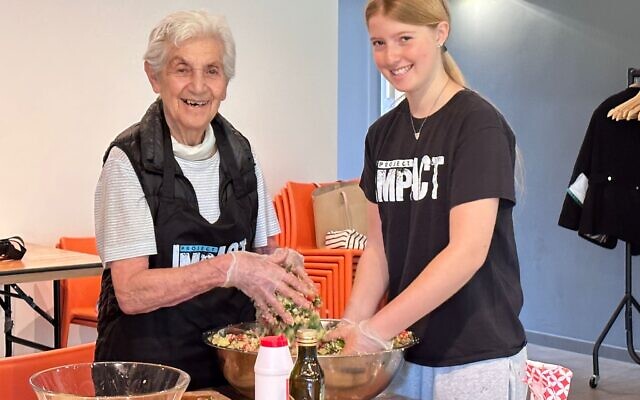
(186,254)
(395,177)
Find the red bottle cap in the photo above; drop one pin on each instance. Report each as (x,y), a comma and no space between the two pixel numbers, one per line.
(274,341)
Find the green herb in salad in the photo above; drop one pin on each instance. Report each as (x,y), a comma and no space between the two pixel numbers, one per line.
(308,318)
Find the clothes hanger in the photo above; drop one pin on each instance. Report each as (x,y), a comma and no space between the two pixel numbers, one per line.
(630,109)
(627,111)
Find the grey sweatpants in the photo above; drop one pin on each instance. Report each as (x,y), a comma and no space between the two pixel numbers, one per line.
(496,379)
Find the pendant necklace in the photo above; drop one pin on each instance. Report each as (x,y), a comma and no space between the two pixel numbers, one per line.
(417,133)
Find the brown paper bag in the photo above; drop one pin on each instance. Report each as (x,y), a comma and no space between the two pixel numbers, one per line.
(338,206)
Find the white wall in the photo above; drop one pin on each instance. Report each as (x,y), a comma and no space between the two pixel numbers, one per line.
(72,78)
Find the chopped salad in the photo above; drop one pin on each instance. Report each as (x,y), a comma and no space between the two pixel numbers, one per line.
(249,341)
(302,318)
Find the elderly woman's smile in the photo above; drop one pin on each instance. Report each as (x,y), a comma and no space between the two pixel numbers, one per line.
(192,84)
(196,103)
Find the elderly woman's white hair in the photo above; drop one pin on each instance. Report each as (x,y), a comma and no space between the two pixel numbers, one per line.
(179,26)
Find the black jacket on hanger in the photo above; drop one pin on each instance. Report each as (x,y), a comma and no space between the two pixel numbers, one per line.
(610,159)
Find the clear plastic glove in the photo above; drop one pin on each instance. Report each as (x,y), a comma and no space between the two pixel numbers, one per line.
(360,339)
(260,277)
(294,262)
(340,331)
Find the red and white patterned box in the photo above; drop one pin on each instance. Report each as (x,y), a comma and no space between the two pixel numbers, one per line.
(548,381)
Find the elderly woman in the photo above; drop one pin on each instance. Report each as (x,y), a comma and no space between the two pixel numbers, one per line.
(183,222)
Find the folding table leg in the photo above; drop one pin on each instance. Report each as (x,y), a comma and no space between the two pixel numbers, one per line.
(57,327)
(8,322)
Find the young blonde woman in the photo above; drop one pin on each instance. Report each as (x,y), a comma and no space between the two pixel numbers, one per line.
(439,173)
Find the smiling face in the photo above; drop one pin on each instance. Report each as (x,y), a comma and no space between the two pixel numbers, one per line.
(407,55)
(191,85)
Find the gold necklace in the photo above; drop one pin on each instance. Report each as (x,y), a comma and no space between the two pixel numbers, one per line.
(417,133)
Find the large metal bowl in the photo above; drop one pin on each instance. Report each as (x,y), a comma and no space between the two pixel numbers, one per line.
(346,377)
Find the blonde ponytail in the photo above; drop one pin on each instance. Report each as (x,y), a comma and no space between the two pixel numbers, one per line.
(452,69)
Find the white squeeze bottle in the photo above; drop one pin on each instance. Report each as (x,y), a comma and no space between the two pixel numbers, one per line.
(272,369)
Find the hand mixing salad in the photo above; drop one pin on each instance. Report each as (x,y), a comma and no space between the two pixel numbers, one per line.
(249,340)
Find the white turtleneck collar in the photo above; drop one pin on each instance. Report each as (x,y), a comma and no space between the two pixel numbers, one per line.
(201,151)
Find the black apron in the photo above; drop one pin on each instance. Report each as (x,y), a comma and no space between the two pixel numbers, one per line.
(173,335)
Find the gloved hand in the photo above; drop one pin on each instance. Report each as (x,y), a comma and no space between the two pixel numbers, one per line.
(360,339)
(260,277)
(294,262)
(340,331)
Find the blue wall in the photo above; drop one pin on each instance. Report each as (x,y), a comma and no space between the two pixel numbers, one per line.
(546,64)
(358,88)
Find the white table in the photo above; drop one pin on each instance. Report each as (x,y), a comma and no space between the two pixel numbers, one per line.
(41,263)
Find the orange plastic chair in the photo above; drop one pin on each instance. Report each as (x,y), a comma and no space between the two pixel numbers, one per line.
(301,210)
(15,371)
(78,296)
(279,207)
(334,265)
(329,298)
(286,217)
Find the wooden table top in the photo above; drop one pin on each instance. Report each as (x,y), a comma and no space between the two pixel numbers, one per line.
(43,263)
(205,395)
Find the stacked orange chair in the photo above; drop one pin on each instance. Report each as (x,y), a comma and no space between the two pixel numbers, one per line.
(79,296)
(294,207)
(334,266)
(278,204)
(15,371)
(302,223)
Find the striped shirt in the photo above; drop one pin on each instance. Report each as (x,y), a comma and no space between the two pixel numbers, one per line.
(123,223)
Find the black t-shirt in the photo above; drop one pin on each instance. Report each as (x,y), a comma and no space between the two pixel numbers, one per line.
(466,152)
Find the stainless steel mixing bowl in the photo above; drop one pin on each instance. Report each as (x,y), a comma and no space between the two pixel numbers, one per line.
(346,377)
